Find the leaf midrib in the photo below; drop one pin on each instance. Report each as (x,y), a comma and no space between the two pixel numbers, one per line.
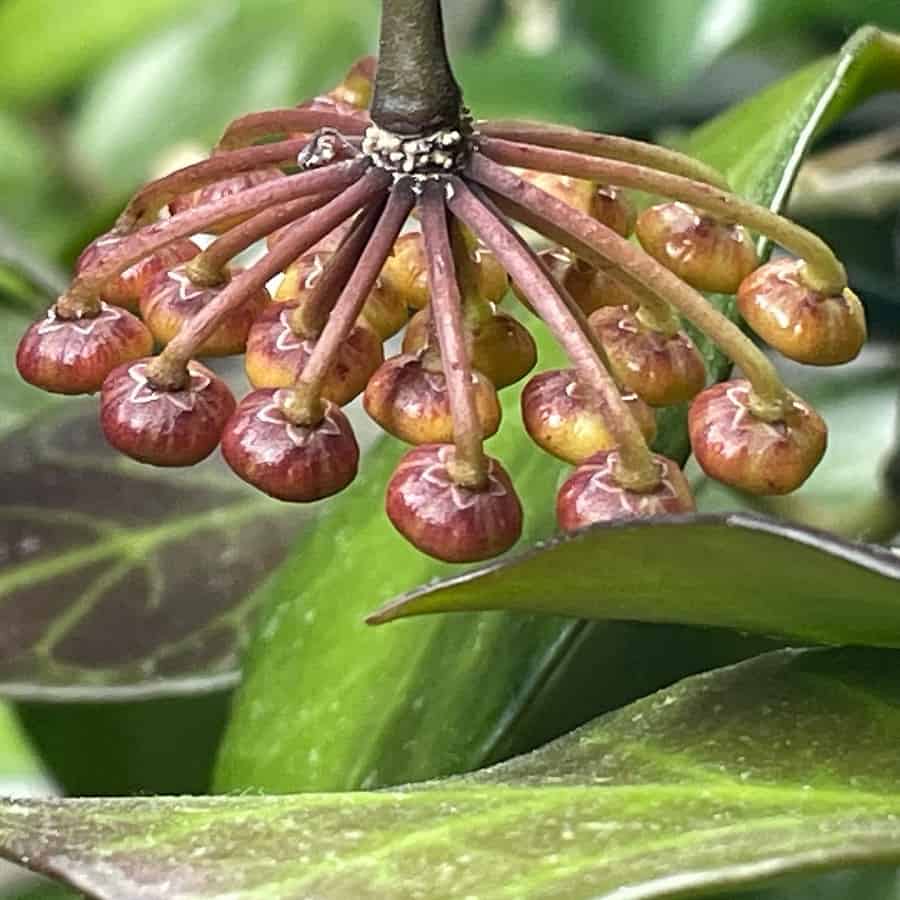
(134,544)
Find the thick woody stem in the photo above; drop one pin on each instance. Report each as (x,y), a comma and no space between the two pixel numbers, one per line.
(85,288)
(145,205)
(607,146)
(824,272)
(310,317)
(167,370)
(254,126)
(305,402)
(637,469)
(208,267)
(470,465)
(599,245)
(415,91)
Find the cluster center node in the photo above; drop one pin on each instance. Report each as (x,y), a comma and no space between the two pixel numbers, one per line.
(423,156)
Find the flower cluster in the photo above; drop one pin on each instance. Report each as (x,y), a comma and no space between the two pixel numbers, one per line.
(374,231)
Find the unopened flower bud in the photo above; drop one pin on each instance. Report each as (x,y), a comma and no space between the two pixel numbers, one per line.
(450,521)
(803,324)
(709,255)
(736,447)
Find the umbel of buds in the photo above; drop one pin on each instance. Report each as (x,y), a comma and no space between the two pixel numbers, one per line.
(382,205)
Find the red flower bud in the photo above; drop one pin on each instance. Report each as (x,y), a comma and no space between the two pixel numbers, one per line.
(592,494)
(356,88)
(73,356)
(590,288)
(611,206)
(709,255)
(276,356)
(127,288)
(501,347)
(160,427)
(562,420)
(384,311)
(287,461)
(172,300)
(733,446)
(411,402)
(447,520)
(799,322)
(661,369)
(405,273)
(219,190)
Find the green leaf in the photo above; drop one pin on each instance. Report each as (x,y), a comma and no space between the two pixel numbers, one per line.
(327,705)
(786,763)
(722,571)
(108,749)
(26,279)
(34,198)
(670,43)
(665,43)
(229,59)
(93,545)
(46,47)
(547,84)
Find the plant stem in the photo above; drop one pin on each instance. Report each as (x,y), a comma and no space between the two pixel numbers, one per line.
(208,268)
(607,146)
(637,468)
(151,198)
(824,271)
(167,370)
(132,249)
(470,465)
(306,406)
(415,91)
(311,316)
(601,246)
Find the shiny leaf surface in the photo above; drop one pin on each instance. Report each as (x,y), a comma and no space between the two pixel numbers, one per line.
(697,570)
(786,763)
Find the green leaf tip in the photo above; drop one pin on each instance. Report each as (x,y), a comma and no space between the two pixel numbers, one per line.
(717,570)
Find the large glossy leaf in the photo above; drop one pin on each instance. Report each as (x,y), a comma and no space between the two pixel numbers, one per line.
(326,705)
(117,578)
(699,570)
(782,764)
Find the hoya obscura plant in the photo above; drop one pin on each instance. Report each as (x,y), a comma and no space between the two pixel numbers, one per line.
(386,198)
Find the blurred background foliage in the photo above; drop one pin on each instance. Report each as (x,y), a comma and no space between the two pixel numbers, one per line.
(100,95)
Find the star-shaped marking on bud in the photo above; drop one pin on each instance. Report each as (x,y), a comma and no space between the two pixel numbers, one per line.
(183,400)
(652,503)
(299,435)
(187,290)
(84,325)
(743,420)
(287,340)
(463,498)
